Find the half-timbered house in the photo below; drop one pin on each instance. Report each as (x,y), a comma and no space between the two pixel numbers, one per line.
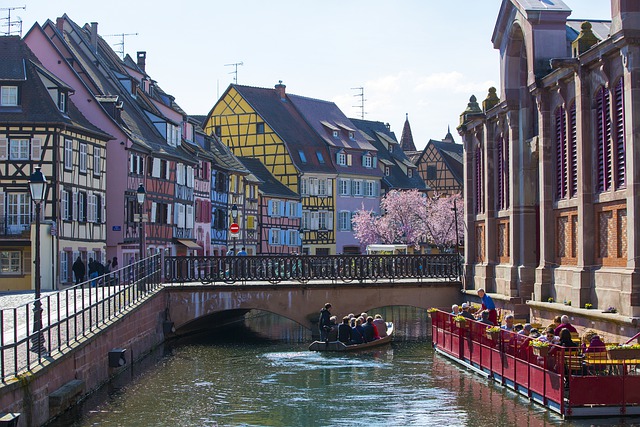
(440,165)
(551,177)
(40,126)
(279,213)
(264,124)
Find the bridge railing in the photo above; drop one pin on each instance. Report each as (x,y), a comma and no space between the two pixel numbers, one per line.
(71,314)
(304,268)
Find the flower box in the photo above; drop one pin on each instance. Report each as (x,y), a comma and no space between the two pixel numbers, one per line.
(493,336)
(462,324)
(541,351)
(623,353)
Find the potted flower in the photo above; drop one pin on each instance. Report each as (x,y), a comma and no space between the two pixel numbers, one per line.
(431,310)
(567,302)
(550,299)
(540,348)
(623,351)
(461,321)
(610,310)
(588,306)
(493,333)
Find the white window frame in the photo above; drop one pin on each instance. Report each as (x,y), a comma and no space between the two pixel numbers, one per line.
(18,211)
(356,187)
(96,161)
(344,220)
(345,187)
(274,237)
(68,154)
(82,161)
(370,188)
(9,96)
(92,208)
(64,204)
(10,262)
(19,149)
(367,161)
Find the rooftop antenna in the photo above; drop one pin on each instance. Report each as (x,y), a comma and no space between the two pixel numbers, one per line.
(361,96)
(235,70)
(121,43)
(10,25)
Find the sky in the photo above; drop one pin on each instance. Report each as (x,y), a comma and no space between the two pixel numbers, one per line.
(421,58)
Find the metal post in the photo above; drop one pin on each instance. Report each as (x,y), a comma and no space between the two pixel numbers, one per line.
(37,188)
(455,218)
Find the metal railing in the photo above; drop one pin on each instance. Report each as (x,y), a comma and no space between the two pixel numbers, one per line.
(71,314)
(304,268)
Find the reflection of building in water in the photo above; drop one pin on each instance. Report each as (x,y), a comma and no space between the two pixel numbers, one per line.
(550,188)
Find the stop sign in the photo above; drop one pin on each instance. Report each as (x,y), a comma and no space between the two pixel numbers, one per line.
(234,228)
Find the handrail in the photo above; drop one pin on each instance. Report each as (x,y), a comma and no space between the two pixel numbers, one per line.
(304,268)
(72,313)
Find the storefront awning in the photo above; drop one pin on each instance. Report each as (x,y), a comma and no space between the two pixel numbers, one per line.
(190,244)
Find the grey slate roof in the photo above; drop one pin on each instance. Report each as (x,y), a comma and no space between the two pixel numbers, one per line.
(269,184)
(452,155)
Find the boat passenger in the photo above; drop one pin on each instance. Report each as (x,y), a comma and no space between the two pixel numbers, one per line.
(357,333)
(344,331)
(488,305)
(549,336)
(380,325)
(534,333)
(370,330)
(526,329)
(564,324)
(324,323)
(595,344)
(565,339)
(508,322)
(485,315)
(465,312)
(556,322)
(332,334)
(517,327)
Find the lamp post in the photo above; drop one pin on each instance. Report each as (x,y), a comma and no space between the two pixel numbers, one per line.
(234,217)
(38,189)
(140,195)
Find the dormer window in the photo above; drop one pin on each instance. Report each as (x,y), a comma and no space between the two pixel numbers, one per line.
(352,135)
(387,171)
(410,173)
(341,158)
(62,102)
(367,161)
(320,157)
(9,96)
(336,134)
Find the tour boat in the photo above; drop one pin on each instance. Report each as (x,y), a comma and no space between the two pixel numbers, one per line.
(340,346)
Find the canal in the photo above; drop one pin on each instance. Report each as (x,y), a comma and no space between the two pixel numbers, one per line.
(258,372)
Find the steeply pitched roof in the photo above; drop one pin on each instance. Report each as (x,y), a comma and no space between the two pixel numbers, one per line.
(406,141)
(269,184)
(36,105)
(379,135)
(283,117)
(452,156)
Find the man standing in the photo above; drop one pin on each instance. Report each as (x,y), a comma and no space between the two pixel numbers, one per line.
(79,270)
(324,322)
(242,252)
(489,305)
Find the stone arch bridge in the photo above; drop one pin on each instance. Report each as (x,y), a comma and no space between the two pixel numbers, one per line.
(192,307)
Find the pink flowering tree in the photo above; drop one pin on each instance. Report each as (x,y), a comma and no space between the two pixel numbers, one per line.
(411,218)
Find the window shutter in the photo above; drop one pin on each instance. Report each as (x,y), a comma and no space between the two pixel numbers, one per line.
(36,148)
(270,235)
(4,142)
(167,171)
(2,211)
(299,238)
(189,223)
(153,211)
(270,208)
(329,220)
(140,165)
(329,187)
(281,206)
(132,162)
(283,237)
(99,213)
(169,217)
(349,159)
(299,209)
(619,135)
(156,168)
(181,216)
(190,176)
(74,206)
(375,162)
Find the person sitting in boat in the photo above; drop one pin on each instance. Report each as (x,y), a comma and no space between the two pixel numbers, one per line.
(564,324)
(332,333)
(549,336)
(592,343)
(484,318)
(508,322)
(466,311)
(344,331)
(380,325)
(357,333)
(565,339)
(324,323)
(370,331)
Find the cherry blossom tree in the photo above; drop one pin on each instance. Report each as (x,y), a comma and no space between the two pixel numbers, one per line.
(411,218)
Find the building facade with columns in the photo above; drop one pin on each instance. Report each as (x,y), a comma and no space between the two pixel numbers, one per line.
(551,166)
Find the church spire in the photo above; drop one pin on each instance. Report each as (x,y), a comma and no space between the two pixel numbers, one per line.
(406,142)
(448,137)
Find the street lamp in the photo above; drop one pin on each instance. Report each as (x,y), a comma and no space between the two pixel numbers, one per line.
(140,194)
(234,217)
(38,189)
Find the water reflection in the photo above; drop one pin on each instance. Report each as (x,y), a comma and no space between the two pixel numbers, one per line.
(245,377)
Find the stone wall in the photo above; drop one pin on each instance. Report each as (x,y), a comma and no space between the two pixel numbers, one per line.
(68,376)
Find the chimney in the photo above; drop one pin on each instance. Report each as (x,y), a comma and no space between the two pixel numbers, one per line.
(625,16)
(280,89)
(142,60)
(60,24)
(94,36)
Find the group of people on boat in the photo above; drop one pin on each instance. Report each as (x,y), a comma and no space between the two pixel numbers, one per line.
(353,329)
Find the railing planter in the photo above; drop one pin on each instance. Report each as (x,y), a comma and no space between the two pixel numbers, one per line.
(493,334)
(461,322)
(541,351)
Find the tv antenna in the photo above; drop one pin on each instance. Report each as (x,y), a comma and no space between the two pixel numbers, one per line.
(361,96)
(10,25)
(235,70)
(121,43)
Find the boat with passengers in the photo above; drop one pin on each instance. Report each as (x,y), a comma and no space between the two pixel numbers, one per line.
(566,380)
(340,346)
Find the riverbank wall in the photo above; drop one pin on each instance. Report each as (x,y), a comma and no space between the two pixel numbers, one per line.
(68,376)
